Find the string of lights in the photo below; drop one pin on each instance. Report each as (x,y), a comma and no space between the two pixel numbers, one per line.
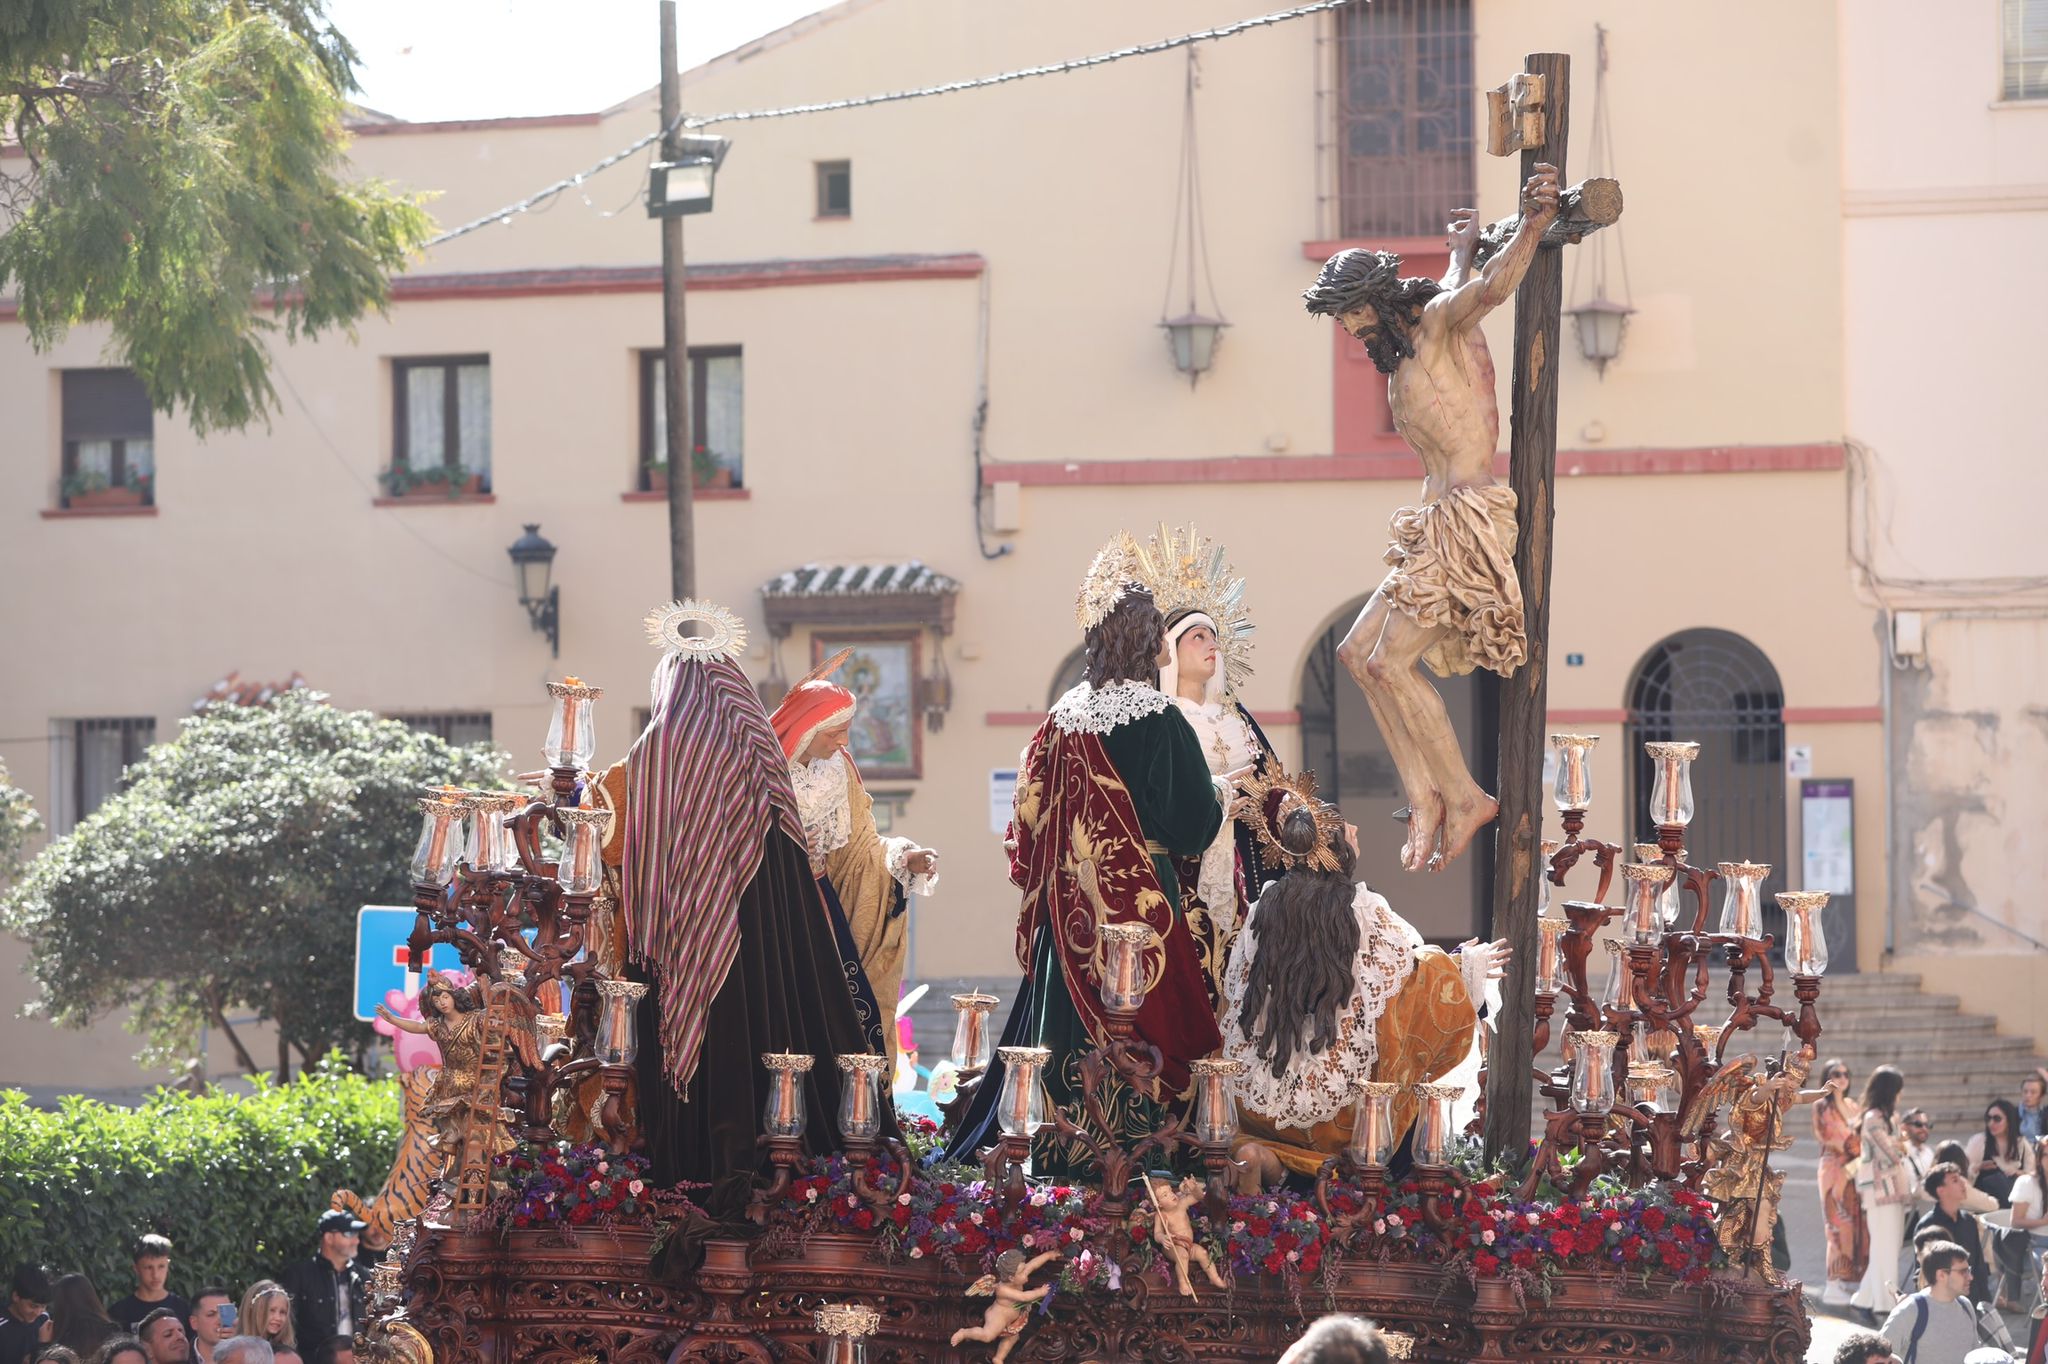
(544,195)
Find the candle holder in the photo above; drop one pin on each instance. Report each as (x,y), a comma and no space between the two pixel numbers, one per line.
(1363,1161)
(1215,1124)
(846,1327)
(572,729)
(1742,914)
(1433,1172)
(1020,1112)
(860,1127)
(1574,788)
(973,1045)
(1671,804)
(1806,943)
(1122,991)
(440,843)
(581,869)
(783,1120)
(1644,917)
(618,1029)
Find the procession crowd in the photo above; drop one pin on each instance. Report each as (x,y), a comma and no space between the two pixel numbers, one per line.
(307,1315)
(1964,1220)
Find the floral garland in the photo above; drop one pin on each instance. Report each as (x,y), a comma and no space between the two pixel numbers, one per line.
(954,1216)
(577,1186)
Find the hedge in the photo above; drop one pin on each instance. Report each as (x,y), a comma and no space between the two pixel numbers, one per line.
(237,1183)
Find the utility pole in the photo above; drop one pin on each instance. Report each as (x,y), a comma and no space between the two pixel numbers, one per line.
(675,354)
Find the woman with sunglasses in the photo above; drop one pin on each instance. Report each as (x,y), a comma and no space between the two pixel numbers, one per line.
(1999,1155)
(1836,1118)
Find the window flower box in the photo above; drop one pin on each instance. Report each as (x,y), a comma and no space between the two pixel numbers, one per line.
(438,481)
(90,489)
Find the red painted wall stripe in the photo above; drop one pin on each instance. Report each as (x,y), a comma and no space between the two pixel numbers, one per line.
(1710,459)
(1834,715)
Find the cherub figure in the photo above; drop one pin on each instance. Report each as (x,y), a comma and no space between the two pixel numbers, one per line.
(1172,1230)
(1005,1318)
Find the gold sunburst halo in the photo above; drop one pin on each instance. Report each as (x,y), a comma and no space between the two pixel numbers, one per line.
(1187,572)
(1296,789)
(725,633)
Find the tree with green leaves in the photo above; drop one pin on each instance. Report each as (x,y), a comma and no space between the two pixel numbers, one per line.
(224,877)
(18,824)
(185,180)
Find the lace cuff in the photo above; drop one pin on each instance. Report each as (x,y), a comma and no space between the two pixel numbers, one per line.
(914,883)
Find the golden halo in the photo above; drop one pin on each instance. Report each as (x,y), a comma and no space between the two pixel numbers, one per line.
(1188,572)
(727,633)
(1294,790)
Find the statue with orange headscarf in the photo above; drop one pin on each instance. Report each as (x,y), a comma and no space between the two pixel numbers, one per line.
(871,878)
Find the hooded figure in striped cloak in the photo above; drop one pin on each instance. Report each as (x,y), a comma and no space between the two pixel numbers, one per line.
(722,915)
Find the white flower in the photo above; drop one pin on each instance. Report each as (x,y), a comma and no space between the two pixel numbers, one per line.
(1038,1200)
(1309,1213)
(1272,1207)
(1028,1239)
(637,1187)
(596,1184)
(1394,1219)
(1293,1255)
(810,1195)
(1237,1228)
(1486,1237)
(1535,1219)
(903,1200)
(974,1218)
(1379,1226)
(917,1252)
(604,1167)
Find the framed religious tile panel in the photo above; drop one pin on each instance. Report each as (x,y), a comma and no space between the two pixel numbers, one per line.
(882,672)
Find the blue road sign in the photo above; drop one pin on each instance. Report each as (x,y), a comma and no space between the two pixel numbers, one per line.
(381,931)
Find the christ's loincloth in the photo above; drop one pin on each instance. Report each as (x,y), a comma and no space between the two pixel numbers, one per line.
(1454,566)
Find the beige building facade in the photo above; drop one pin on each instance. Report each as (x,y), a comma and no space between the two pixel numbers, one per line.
(929,332)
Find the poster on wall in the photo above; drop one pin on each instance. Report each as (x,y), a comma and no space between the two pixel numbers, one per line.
(1827,817)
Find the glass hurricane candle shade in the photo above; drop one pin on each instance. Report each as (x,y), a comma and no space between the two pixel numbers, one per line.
(1549,849)
(1372,1124)
(973,1044)
(618,1037)
(783,1115)
(1123,966)
(1806,945)
(1574,788)
(1593,1071)
(490,842)
(1668,903)
(860,1095)
(1742,911)
(846,1327)
(1021,1107)
(440,845)
(572,730)
(1550,955)
(1654,1084)
(1433,1124)
(1645,915)
(581,870)
(1215,1106)
(1620,994)
(1671,791)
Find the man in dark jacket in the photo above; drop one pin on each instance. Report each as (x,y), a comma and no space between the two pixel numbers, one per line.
(327,1290)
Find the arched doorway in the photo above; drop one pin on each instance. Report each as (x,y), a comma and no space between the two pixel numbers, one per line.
(1718,689)
(1068,675)
(1341,744)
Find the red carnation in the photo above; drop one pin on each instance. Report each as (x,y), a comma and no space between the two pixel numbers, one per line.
(1486,1262)
(1653,1219)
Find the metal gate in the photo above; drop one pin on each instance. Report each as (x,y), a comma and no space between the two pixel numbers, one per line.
(1718,689)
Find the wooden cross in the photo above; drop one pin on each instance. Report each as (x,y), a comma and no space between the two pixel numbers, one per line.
(1529,115)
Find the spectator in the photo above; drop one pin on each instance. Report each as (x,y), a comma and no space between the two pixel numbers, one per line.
(1937,1325)
(1884,1182)
(22,1330)
(327,1290)
(340,1350)
(78,1321)
(2033,1106)
(1864,1347)
(244,1350)
(1337,1339)
(152,1277)
(122,1350)
(1958,1225)
(267,1314)
(1998,1155)
(1836,1117)
(1952,1153)
(2030,1216)
(163,1335)
(57,1354)
(285,1354)
(212,1321)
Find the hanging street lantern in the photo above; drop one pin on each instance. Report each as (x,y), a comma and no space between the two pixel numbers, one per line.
(1600,323)
(533,559)
(1193,338)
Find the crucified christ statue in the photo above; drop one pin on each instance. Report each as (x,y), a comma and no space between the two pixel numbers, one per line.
(1451,599)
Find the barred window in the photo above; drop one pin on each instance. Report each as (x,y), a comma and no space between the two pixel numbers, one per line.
(2024,48)
(1405,116)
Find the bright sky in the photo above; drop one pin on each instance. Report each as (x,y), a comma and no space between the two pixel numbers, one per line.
(426,60)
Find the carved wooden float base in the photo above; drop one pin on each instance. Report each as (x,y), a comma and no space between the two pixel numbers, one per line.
(539,1298)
